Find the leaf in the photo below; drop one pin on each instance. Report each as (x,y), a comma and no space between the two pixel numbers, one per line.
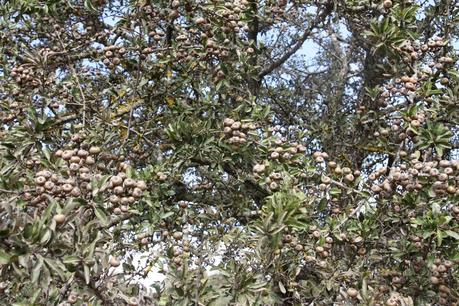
(71,260)
(35,296)
(46,237)
(101,215)
(282,288)
(28,230)
(36,271)
(440,236)
(439,150)
(87,275)
(57,267)
(166,215)
(46,153)
(221,301)
(90,6)
(335,191)
(4,258)
(452,234)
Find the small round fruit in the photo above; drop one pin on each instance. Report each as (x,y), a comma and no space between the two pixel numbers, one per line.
(67,154)
(59,218)
(72,299)
(3,286)
(116,180)
(316,234)
(434,280)
(114,262)
(177,235)
(40,180)
(76,192)
(142,185)
(129,182)
(349,177)
(90,160)
(391,302)
(444,81)
(94,150)
(200,21)
(118,190)
(137,192)
(387,4)
(133,301)
(352,292)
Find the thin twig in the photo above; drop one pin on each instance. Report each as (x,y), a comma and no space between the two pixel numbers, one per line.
(319,18)
(353,212)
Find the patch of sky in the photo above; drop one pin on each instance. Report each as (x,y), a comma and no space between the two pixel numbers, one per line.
(110,18)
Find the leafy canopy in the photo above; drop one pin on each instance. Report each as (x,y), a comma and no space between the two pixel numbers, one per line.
(195,152)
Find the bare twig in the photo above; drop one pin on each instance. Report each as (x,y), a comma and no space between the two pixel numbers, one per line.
(279,62)
(353,212)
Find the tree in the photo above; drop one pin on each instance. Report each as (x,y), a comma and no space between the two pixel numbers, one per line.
(198,139)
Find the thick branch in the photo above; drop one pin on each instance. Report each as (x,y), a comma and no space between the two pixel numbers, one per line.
(259,192)
(253,40)
(120,113)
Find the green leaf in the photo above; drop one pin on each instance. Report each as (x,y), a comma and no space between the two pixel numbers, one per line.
(46,237)
(221,301)
(36,271)
(57,267)
(28,230)
(4,258)
(282,288)
(90,6)
(335,191)
(101,215)
(166,215)
(452,234)
(87,275)
(46,153)
(35,296)
(440,236)
(71,260)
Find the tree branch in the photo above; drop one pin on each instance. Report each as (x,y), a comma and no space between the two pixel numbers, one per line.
(279,62)
(259,192)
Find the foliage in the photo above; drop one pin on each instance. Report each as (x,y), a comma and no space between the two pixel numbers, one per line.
(191,152)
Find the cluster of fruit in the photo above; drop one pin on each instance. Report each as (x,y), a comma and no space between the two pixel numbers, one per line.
(441,273)
(236,131)
(442,176)
(25,76)
(113,55)
(286,152)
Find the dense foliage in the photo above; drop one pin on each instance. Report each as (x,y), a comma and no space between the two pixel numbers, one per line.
(246,152)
